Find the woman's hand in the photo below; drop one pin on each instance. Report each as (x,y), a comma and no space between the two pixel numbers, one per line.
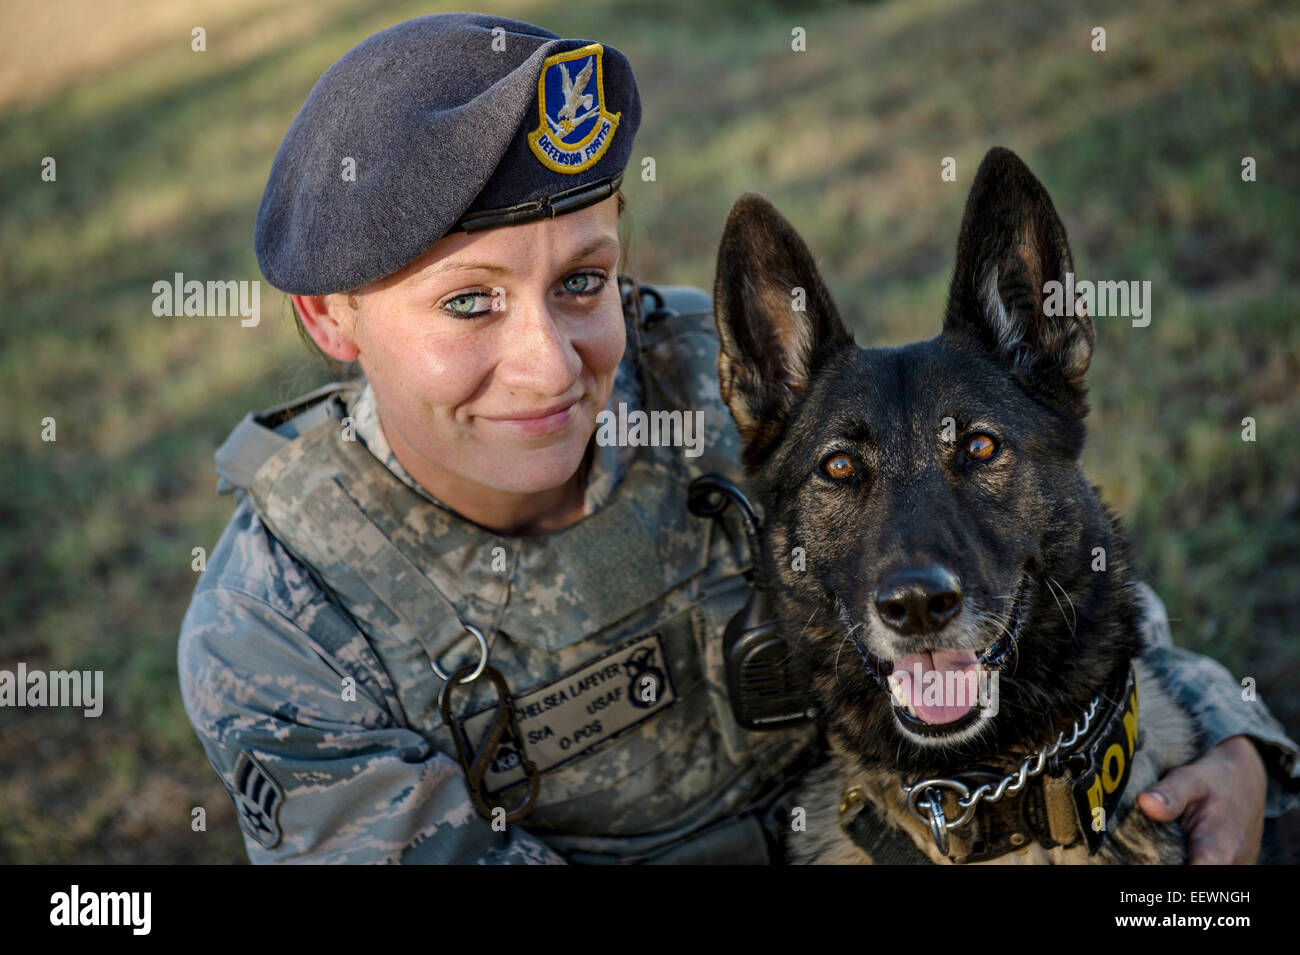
(1218,800)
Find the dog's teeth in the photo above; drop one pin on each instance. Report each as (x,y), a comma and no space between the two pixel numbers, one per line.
(900,695)
(896,687)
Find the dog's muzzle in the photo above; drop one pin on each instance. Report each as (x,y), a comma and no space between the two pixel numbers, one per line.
(940,693)
(1065,794)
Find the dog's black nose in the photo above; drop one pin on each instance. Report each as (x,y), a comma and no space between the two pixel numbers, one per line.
(918,599)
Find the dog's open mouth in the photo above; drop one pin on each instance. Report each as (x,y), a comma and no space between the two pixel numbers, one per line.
(936,687)
(939,692)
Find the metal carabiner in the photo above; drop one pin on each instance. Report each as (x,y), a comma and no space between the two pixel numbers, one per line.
(933,802)
(502,721)
(927,796)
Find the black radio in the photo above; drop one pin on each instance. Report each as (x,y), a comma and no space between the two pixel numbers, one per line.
(766,687)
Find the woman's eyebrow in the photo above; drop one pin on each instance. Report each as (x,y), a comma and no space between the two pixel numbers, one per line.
(598,245)
(469,267)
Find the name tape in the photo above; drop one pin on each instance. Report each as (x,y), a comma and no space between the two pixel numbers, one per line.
(566,718)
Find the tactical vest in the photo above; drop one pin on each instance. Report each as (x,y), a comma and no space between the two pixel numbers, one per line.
(640,588)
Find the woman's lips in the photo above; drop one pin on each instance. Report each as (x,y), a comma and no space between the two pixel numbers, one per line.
(541,421)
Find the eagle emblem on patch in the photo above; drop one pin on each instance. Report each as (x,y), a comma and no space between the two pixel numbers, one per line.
(257,798)
(573,129)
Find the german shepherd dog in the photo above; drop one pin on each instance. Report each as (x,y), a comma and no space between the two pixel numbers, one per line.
(927,524)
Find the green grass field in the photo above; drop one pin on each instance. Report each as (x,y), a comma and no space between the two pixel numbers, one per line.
(162,154)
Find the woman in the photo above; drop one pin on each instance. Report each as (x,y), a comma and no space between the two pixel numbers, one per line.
(409,550)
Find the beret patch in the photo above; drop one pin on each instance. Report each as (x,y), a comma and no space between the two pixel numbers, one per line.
(574,128)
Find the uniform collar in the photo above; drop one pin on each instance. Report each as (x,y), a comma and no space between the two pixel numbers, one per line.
(549,591)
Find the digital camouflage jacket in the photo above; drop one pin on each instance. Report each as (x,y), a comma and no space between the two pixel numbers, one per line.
(305,654)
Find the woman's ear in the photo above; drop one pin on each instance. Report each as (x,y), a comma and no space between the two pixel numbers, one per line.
(330,320)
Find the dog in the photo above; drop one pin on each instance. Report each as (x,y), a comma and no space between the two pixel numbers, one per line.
(927,527)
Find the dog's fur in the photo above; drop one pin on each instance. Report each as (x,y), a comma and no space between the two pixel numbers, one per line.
(1017,530)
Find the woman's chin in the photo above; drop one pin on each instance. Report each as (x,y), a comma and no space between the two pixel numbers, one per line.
(540,469)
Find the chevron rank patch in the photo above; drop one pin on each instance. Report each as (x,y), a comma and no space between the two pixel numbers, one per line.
(573,129)
(257,800)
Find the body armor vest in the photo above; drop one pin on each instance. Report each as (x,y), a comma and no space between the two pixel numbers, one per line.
(580,621)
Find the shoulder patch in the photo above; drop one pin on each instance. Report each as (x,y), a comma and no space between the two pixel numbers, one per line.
(257,798)
(573,129)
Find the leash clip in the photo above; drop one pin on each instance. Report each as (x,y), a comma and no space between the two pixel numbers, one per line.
(503,723)
(933,803)
(925,797)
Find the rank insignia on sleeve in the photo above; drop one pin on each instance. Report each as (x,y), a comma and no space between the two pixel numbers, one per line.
(573,129)
(257,800)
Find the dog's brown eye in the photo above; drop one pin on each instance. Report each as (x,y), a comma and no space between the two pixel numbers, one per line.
(839,466)
(980,448)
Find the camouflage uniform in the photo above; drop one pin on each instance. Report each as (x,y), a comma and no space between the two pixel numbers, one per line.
(337,565)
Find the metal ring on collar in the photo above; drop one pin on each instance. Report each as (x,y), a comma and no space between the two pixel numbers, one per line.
(917,790)
(482,659)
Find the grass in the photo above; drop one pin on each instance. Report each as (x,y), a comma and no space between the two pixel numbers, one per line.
(162,154)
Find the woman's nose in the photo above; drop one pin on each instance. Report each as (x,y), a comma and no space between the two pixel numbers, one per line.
(539,355)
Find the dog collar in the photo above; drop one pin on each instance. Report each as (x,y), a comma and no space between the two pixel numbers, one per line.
(1066,793)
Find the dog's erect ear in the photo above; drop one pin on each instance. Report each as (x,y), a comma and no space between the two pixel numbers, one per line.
(1012,245)
(776,321)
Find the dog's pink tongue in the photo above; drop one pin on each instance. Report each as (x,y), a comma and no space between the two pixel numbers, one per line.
(956,694)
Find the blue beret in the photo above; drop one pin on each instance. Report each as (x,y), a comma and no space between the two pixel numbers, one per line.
(450,126)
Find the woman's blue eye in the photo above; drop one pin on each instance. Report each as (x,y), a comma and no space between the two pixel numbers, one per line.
(584,283)
(474,304)
(471,303)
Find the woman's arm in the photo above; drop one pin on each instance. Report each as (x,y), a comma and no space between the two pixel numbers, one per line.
(1222,797)
(317,774)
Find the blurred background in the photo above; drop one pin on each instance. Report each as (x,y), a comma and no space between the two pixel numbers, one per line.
(162,154)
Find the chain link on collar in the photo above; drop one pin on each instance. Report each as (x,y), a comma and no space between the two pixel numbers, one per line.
(924,796)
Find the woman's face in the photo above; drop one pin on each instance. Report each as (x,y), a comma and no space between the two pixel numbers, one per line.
(491,355)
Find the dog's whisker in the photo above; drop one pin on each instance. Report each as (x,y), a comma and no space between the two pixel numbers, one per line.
(983,615)
(848,636)
(996,620)
(806,625)
(1053,586)
(1074,616)
(836,668)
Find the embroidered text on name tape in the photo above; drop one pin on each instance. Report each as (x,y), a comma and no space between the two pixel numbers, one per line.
(566,718)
